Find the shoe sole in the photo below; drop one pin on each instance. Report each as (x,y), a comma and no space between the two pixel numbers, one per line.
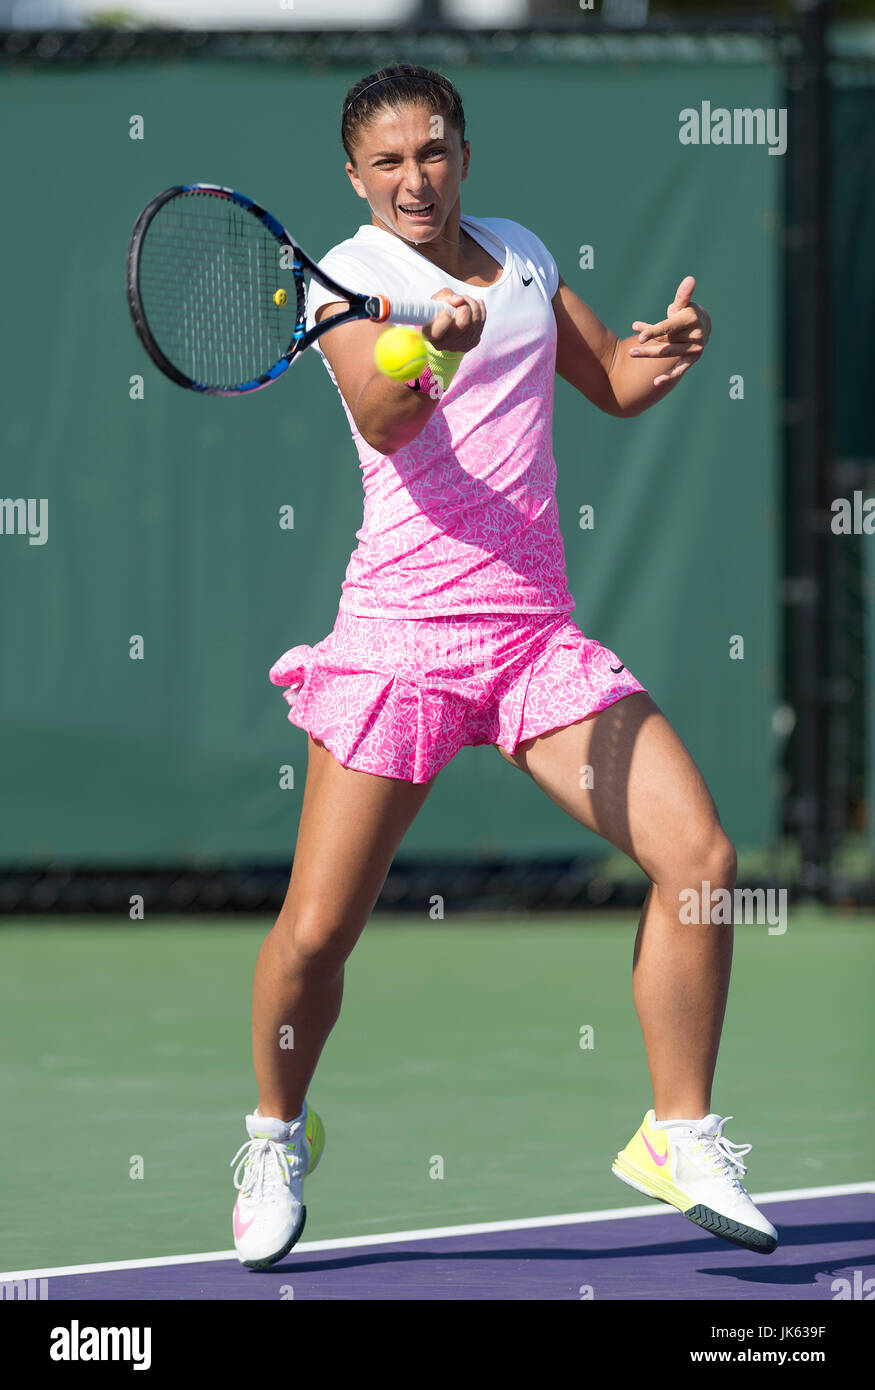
(735,1232)
(748,1237)
(269,1260)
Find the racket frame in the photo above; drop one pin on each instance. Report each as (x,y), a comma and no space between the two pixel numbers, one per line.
(375,307)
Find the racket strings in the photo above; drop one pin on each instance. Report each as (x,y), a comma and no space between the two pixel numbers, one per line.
(208,274)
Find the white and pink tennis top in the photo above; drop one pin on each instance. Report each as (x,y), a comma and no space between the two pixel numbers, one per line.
(463,519)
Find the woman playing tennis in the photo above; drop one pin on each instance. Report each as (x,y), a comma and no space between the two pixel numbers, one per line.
(454,629)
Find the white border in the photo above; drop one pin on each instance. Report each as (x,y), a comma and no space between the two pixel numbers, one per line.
(796,1194)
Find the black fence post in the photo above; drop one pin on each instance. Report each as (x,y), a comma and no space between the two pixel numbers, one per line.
(815,806)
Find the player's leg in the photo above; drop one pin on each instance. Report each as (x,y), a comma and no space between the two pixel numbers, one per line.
(350,828)
(351,825)
(643,793)
(648,798)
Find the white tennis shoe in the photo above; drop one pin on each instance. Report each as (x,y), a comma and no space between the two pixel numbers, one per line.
(269,1213)
(693,1166)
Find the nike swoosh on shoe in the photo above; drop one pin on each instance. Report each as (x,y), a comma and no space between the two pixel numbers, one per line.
(240,1227)
(653,1154)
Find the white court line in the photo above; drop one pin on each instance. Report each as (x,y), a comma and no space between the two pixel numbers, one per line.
(795,1194)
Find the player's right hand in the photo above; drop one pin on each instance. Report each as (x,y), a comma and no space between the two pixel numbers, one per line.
(457,332)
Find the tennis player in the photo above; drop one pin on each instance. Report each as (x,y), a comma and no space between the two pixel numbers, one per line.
(454,629)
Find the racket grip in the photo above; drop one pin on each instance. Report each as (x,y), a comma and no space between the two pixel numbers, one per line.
(411,311)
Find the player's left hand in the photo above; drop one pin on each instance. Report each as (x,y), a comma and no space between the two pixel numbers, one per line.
(683,334)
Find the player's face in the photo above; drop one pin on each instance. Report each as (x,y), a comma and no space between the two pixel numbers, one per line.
(408,165)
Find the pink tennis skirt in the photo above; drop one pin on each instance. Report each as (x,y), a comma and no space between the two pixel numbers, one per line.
(399,697)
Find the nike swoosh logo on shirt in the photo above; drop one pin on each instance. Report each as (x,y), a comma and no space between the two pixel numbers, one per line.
(655,1156)
(529,281)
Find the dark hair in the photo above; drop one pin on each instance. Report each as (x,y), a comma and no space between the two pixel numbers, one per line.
(392,88)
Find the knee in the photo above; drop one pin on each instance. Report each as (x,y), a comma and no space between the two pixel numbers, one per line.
(718,859)
(706,854)
(313,944)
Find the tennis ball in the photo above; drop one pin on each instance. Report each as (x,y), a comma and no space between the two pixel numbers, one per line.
(400,353)
(280,297)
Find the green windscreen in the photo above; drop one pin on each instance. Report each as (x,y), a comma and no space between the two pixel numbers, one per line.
(163,516)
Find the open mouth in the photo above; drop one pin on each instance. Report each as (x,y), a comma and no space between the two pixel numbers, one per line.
(416,212)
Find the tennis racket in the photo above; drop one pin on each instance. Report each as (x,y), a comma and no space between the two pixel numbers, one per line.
(216,291)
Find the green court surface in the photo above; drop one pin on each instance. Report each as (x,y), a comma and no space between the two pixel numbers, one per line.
(458,1039)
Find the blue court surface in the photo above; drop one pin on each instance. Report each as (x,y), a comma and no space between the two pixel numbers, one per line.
(826,1252)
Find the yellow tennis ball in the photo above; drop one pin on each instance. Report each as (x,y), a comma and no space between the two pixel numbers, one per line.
(400,353)
(280,297)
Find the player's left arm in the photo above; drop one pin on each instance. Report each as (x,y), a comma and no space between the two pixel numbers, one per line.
(619,375)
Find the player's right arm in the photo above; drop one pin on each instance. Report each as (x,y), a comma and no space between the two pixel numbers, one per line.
(387,413)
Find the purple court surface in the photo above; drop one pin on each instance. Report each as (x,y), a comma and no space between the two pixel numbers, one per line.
(826,1235)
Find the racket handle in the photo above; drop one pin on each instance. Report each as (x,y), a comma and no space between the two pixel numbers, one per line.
(410,311)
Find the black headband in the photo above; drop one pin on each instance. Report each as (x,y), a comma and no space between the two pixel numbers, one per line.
(395,77)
